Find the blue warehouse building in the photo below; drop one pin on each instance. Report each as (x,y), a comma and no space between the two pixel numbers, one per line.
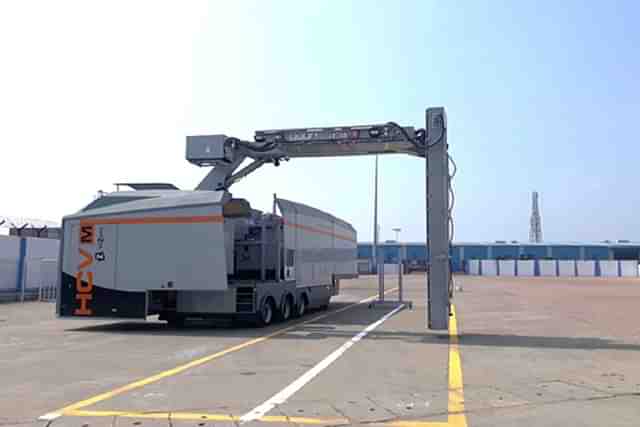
(415,253)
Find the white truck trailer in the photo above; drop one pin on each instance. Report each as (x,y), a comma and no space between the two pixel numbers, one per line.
(186,254)
(202,253)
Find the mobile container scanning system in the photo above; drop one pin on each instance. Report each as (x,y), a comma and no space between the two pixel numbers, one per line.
(203,253)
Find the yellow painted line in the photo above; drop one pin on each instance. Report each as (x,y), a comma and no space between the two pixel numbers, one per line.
(456,418)
(205,417)
(303,420)
(195,416)
(417,424)
(171,372)
(455,408)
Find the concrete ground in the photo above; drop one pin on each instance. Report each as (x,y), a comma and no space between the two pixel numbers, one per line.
(536,352)
(550,351)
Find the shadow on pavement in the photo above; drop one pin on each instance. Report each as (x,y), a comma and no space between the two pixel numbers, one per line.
(578,343)
(358,316)
(347,323)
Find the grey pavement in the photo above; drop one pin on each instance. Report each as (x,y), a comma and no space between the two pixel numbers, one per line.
(534,352)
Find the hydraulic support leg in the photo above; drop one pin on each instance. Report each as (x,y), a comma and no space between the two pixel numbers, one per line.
(437,187)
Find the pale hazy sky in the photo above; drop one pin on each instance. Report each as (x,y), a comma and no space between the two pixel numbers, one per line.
(540,95)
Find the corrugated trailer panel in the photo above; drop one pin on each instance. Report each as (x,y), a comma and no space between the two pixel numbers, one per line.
(324,245)
(346,244)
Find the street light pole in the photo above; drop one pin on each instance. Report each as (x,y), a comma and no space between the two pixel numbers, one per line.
(375,218)
(376,229)
(397,231)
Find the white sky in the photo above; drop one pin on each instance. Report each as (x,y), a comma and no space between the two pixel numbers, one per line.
(96,93)
(93,93)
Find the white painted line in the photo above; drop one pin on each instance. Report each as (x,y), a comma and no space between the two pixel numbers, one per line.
(288,391)
(178,369)
(50,416)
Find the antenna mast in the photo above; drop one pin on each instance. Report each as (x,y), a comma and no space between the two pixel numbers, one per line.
(535,230)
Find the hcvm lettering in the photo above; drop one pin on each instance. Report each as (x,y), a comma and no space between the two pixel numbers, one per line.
(84,291)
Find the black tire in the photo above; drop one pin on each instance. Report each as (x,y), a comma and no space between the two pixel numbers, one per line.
(264,317)
(286,310)
(301,308)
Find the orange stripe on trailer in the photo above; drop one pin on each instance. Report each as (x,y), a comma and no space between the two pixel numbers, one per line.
(320,231)
(155,220)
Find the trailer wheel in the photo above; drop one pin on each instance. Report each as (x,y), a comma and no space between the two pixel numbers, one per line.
(302,306)
(285,312)
(265,316)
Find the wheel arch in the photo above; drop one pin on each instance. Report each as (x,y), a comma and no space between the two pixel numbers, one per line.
(304,294)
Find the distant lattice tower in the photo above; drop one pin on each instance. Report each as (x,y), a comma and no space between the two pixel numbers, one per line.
(535,230)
